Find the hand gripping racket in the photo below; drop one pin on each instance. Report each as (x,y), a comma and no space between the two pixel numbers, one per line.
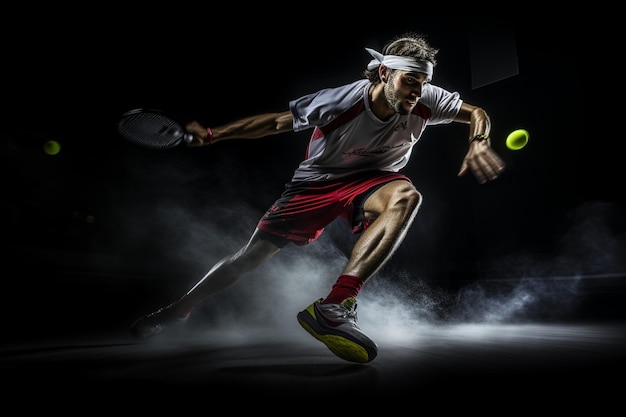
(152,129)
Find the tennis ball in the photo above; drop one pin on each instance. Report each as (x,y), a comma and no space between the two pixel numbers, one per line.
(517,139)
(52,147)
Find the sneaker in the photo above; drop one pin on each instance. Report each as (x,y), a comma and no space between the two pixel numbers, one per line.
(335,326)
(154,323)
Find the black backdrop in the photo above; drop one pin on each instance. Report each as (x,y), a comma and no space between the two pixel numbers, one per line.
(105,207)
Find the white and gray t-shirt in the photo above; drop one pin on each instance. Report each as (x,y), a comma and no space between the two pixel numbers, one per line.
(348,138)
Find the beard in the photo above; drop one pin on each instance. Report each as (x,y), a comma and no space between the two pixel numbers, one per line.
(393,99)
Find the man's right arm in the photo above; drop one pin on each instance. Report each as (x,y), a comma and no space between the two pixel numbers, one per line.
(252,127)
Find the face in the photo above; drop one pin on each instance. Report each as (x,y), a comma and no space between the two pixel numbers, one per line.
(403,90)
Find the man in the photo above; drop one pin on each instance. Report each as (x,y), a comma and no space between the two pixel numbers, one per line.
(362,136)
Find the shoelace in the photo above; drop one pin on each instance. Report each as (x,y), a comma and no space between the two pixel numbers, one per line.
(346,310)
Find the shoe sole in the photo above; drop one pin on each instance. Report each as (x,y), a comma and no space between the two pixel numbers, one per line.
(345,348)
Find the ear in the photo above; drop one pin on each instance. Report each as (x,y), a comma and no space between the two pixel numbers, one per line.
(383,73)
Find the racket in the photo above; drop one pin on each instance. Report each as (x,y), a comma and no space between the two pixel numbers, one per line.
(152,129)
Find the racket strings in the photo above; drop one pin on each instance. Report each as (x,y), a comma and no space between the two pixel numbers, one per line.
(151,130)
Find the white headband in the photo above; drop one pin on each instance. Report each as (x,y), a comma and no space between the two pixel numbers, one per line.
(404,63)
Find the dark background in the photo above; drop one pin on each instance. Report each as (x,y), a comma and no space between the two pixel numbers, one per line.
(111,230)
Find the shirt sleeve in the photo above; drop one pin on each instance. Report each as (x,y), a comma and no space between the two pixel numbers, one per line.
(444,105)
(320,108)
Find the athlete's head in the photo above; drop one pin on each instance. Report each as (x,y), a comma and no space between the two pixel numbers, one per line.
(410,44)
(405,65)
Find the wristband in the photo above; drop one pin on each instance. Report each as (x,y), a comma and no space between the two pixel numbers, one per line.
(479,138)
(210,133)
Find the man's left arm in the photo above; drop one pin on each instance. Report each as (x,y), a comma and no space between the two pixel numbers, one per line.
(485,164)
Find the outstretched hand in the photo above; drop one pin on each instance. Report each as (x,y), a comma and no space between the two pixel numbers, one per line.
(483,161)
(199,132)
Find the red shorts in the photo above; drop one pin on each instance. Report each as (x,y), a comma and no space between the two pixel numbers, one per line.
(306,208)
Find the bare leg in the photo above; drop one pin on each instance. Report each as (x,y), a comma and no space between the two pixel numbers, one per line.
(228,270)
(393,208)
(224,273)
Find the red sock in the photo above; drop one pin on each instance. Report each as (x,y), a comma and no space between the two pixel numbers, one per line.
(346,286)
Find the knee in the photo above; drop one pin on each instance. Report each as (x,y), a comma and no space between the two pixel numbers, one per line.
(406,198)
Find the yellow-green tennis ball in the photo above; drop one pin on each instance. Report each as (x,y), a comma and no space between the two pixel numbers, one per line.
(52,147)
(517,139)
